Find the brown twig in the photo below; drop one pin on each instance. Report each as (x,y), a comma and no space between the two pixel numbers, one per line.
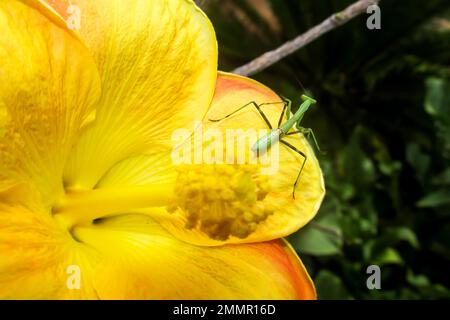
(332,22)
(331,231)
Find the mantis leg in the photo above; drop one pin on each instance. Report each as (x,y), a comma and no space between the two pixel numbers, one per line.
(286,110)
(301,168)
(257,106)
(308,132)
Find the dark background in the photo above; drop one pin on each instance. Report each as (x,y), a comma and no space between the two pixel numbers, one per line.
(383,119)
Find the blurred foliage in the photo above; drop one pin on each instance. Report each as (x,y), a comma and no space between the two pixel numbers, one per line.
(384,120)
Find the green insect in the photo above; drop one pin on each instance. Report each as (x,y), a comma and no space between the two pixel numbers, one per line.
(282,129)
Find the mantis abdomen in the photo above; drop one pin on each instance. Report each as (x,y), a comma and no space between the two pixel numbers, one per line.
(264,143)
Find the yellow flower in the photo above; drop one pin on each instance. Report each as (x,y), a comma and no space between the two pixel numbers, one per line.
(214,210)
(86,177)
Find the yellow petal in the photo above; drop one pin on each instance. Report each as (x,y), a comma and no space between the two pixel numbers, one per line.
(139,171)
(142,261)
(48,88)
(213,223)
(48,11)
(158,65)
(132,257)
(35,255)
(285,214)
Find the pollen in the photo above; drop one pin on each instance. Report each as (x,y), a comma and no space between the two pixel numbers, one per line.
(222,200)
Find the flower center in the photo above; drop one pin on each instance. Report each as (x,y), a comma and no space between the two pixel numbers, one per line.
(221,200)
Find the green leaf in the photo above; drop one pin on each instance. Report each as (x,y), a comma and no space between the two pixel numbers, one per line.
(437,100)
(355,164)
(320,238)
(329,286)
(389,256)
(394,235)
(417,280)
(443,178)
(378,249)
(316,242)
(419,160)
(437,104)
(435,199)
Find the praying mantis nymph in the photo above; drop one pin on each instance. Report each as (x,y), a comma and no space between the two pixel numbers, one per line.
(282,129)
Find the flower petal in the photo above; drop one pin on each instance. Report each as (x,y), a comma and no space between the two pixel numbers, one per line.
(158,65)
(48,89)
(288,214)
(35,255)
(166,268)
(132,257)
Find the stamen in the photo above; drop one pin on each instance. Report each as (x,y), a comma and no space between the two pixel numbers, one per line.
(222,200)
(80,207)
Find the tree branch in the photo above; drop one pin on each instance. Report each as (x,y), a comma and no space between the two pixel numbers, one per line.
(332,22)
